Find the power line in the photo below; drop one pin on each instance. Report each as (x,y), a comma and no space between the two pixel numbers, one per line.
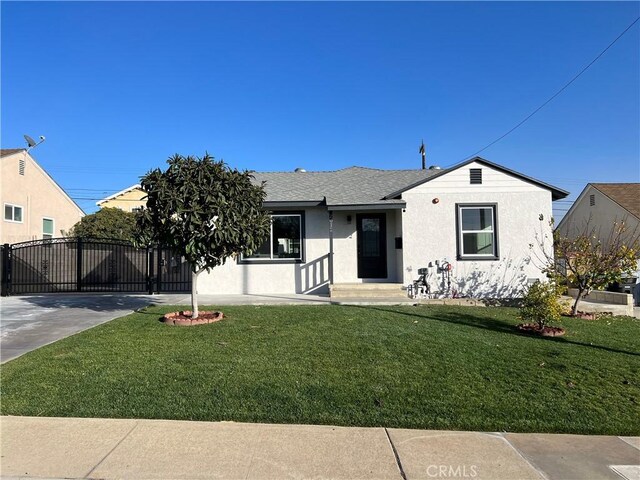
(557,93)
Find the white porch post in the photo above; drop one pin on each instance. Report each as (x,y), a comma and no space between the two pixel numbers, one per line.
(330,248)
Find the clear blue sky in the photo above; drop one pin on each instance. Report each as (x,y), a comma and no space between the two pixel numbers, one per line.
(117,87)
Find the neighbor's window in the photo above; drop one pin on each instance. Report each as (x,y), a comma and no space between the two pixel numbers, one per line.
(47,228)
(12,213)
(285,239)
(477,231)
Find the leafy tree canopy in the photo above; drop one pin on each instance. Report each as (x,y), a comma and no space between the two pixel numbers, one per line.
(591,262)
(204,210)
(106,223)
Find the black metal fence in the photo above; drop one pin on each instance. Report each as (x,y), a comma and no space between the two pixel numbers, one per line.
(90,265)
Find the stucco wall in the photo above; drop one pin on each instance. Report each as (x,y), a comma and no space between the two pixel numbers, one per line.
(430,232)
(39,196)
(309,277)
(313,275)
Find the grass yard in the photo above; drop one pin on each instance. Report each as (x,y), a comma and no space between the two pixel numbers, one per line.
(458,368)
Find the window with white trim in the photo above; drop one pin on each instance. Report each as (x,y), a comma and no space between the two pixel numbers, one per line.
(285,239)
(12,213)
(477,232)
(47,228)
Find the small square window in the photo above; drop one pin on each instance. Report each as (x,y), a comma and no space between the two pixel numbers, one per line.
(12,213)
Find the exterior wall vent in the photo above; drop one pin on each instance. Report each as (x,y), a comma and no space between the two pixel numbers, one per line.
(475,176)
(21,166)
(592,200)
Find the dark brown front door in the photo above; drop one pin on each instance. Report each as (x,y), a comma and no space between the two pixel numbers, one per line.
(372,245)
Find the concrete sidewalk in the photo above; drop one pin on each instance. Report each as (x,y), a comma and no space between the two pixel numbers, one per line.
(162,449)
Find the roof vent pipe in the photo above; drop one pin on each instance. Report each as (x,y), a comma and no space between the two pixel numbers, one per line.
(300,170)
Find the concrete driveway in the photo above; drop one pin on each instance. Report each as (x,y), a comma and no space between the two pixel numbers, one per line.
(29,322)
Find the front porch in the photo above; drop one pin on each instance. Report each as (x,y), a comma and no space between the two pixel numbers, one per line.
(357,293)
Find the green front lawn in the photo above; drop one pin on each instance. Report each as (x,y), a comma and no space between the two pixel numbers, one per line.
(417,367)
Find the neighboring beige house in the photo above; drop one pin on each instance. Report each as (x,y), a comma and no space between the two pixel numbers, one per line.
(599,207)
(34,205)
(130,199)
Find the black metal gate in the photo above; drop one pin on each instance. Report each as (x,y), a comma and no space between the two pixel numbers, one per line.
(90,265)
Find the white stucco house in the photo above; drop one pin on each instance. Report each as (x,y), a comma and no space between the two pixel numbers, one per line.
(376,228)
(599,207)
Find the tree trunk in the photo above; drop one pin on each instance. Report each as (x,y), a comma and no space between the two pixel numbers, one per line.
(194,294)
(574,309)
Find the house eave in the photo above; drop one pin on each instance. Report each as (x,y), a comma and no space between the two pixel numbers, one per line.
(292,203)
(368,206)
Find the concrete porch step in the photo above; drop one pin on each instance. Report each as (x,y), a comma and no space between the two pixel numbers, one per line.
(367,290)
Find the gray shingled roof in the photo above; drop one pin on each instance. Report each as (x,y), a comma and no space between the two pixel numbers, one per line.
(349,186)
(365,186)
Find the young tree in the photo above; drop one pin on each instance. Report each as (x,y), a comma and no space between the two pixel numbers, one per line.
(593,263)
(106,223)
(205,211)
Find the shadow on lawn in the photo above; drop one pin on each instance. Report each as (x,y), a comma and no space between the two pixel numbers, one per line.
(487,323)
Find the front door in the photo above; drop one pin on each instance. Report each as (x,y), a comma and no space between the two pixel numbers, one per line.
(372,245)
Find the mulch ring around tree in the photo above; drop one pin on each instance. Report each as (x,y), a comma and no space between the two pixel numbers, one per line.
(183,318)
(547,331)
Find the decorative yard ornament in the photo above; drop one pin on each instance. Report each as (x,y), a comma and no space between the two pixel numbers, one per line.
(205,211)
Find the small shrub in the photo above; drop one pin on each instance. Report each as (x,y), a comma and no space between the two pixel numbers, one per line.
(541,304)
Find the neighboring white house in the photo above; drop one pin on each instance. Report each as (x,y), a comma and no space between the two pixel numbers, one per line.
(361,225)
(599,208)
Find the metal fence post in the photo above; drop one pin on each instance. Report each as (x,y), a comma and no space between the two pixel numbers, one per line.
(79,264)
(5,289)
(150,269)
(159,270)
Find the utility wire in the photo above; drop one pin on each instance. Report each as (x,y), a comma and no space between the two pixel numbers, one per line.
(557,93)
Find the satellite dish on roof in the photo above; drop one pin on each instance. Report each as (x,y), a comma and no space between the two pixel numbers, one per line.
(30,141)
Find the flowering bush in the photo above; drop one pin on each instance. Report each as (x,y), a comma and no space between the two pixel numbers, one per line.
(541,304)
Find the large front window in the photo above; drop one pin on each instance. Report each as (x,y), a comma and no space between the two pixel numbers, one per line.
(477,232)
(285,239)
